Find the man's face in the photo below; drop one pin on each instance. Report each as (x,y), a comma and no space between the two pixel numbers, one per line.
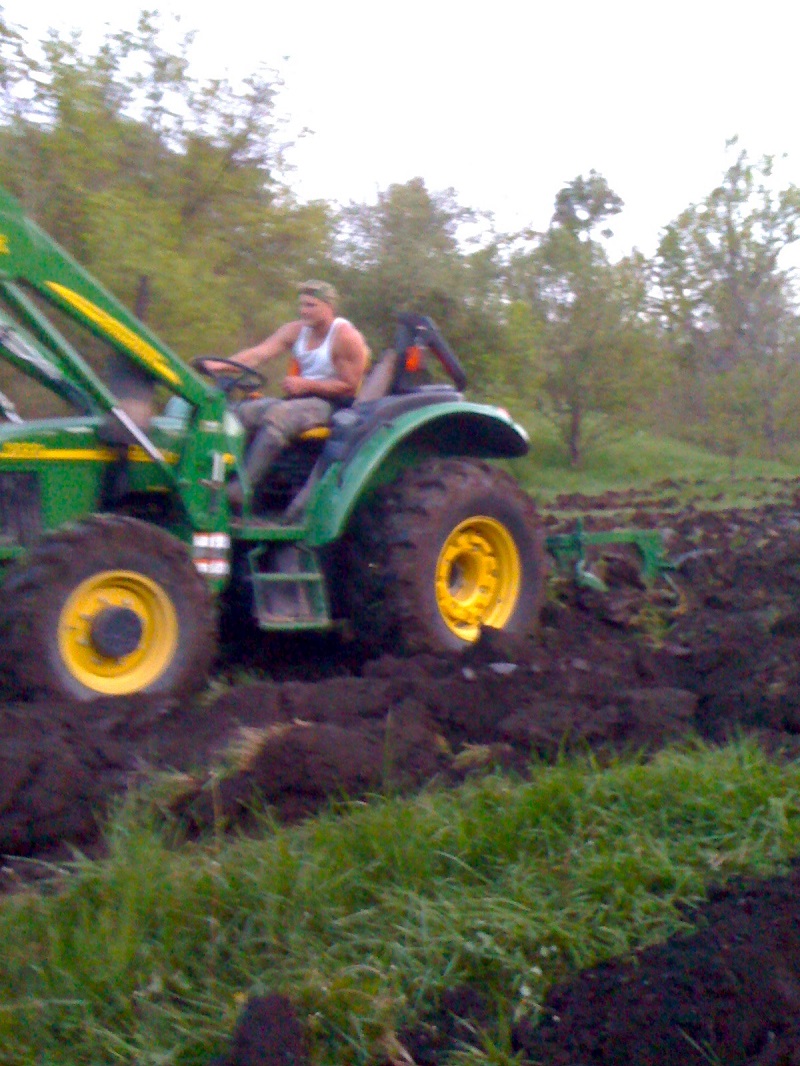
(314,312)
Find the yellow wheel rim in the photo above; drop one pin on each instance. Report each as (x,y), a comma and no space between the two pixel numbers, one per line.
(157,632)
(478,577)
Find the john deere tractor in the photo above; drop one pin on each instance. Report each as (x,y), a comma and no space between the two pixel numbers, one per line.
(118,549)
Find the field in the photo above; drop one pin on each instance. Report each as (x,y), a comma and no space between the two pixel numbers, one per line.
(571,849)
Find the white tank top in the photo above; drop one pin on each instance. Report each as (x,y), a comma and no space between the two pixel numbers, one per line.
(316,363)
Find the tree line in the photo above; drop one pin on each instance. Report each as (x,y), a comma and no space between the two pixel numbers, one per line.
(174,192)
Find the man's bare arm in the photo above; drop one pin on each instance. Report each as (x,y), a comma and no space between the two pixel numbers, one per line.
(281,341)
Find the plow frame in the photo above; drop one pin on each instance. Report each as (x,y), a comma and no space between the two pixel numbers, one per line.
(569,550)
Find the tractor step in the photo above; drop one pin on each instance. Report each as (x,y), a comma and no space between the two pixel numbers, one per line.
(265,529)
(289,590)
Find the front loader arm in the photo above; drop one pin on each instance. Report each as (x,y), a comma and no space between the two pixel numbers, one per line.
(30,256)
(31,260)
(21,350)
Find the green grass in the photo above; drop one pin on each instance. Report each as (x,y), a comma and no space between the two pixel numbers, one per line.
(638,459)
(364,914)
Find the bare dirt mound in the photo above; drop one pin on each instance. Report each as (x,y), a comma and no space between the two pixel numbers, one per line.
(727,994)
(605,671)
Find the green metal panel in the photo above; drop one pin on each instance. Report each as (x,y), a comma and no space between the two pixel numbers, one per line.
(447,429)
(67,459)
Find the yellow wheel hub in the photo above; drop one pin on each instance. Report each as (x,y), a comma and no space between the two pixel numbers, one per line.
(478,577)
(118,632)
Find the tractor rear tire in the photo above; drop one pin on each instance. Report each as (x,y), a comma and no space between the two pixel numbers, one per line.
(449,548)
(111,606)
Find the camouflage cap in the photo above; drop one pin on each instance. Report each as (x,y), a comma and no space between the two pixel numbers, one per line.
(320,290)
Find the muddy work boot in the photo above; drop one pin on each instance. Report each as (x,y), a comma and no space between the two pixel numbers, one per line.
(235,493)
(267,445)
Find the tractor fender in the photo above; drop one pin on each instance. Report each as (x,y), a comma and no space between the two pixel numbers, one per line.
(398,440)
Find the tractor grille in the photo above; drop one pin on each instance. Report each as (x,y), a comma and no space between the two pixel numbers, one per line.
(20,508)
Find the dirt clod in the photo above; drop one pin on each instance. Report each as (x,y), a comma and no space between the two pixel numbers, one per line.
(268,1033)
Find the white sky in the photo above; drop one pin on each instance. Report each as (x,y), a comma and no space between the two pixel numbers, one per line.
(505,102)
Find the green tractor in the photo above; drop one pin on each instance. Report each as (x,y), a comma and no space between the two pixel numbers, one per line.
(117,545)
(118,549)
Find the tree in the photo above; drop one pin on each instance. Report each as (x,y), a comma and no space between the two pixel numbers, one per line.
(593,342)
(726,304)
(405,253)
(140,170)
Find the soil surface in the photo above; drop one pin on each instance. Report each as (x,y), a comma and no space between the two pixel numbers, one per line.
(717,653)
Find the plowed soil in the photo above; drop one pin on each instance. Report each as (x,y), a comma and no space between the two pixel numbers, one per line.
(631,668)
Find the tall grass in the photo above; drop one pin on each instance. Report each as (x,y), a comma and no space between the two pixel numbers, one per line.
(365,914)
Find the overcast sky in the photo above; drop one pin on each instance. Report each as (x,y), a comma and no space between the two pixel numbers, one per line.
(505,102)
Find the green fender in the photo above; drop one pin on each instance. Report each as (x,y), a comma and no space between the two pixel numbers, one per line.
(446,429)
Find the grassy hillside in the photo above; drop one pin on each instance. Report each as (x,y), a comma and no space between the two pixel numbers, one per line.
(637,459)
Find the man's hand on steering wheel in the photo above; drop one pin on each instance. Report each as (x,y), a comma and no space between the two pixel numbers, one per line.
(228,374)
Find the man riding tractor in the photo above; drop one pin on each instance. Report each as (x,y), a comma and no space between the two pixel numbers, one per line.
(330,358)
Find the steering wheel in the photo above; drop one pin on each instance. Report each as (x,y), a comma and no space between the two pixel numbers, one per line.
(241,376)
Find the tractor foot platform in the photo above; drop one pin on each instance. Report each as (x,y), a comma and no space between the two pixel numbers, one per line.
(267,527)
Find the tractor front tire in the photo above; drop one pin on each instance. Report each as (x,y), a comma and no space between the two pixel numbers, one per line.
(451,547)
(109,607)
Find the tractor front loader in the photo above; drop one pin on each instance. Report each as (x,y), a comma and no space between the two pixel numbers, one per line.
(117,545)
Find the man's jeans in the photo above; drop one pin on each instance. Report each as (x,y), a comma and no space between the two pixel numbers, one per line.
(287,418)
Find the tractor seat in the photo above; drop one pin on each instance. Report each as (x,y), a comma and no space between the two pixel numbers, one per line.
(380,380)
(377,384)
(316,433)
